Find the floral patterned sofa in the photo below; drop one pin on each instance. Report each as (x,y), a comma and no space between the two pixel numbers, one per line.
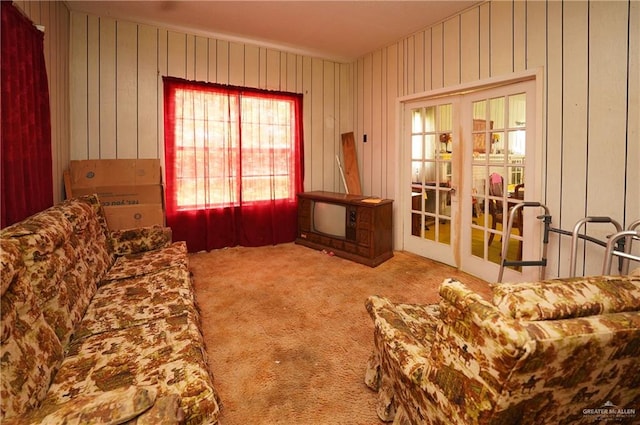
(99,326)
(563,351)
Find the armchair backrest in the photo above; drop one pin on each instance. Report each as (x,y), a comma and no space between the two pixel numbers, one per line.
(539,353)
(587,347)
(474,351)
(496,188)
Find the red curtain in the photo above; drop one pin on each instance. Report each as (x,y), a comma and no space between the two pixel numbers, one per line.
(234,164)
(26,177)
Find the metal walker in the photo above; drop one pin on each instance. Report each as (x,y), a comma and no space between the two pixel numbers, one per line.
(617,246)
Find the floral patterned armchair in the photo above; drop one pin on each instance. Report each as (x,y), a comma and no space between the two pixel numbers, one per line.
(563,351)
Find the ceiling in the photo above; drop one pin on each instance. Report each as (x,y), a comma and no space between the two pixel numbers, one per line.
(340,30)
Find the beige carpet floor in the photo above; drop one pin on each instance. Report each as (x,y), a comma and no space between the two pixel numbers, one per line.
(287,332)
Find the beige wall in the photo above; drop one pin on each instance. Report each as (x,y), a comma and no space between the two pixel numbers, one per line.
(116,89)
(589,53)
(54,16)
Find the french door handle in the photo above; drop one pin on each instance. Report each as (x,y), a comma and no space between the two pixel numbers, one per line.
(452,190)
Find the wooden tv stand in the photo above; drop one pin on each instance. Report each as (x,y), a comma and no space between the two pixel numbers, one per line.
(369,236)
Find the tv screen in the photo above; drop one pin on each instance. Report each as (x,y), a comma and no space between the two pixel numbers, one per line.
(329,219)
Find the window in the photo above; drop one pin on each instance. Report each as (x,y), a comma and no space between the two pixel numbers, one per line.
(232,148)
(233,163)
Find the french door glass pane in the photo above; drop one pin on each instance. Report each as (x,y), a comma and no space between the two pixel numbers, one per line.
(431,145)
(498,162)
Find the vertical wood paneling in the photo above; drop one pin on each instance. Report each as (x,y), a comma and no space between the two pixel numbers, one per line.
(437,57)
(419,60)
(451,54)
(126,90)
(93,88)
(107,88)
(262,67)
(574,107)
(346,99)
(223,62)
(359,112)
(470,46)
(329,141)
(501,38)
(61,79)
(212,67)
(291,80)
(411,64)
(536,34)
(163,65)
(78,87)
(375,140)
(588,89)
(632,207)
(236,64)
(201,59)
(485,40)
(307,89)
(273,70)
(190,57)
(318,165)
(117,69)
(254,74)
(147,80)
(428,54)
(364,150)
(519,36)
(176,54)
(608,42)
(336,118)
(392,90)
(553,139)
(590,110)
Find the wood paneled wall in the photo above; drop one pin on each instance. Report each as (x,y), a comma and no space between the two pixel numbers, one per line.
(589,52)
(106,94)
(116,89)
(54,16)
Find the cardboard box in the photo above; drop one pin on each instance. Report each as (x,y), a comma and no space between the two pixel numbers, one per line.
(92,173)
(124,195)
(130,190)
(131,216)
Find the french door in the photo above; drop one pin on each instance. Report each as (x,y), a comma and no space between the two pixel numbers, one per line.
(432,181)
(466,158)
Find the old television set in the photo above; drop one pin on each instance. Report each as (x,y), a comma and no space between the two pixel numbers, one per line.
(351,226)
(332,219)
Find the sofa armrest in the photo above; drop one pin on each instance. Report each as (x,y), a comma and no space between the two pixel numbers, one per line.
(133,241)
(113,407)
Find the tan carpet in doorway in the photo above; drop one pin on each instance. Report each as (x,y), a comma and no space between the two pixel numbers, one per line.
(287,333)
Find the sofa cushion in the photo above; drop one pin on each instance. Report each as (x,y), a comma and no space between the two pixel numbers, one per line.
(566,298)
(165,293)
(112,407)
(140,264)
(133,241)
(64,252)
(30,352)
(40,234)
(166,353)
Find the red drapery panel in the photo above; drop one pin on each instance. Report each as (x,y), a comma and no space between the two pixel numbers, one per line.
(26,185)
(234,164)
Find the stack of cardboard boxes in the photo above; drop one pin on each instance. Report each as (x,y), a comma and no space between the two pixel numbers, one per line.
(130,190)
